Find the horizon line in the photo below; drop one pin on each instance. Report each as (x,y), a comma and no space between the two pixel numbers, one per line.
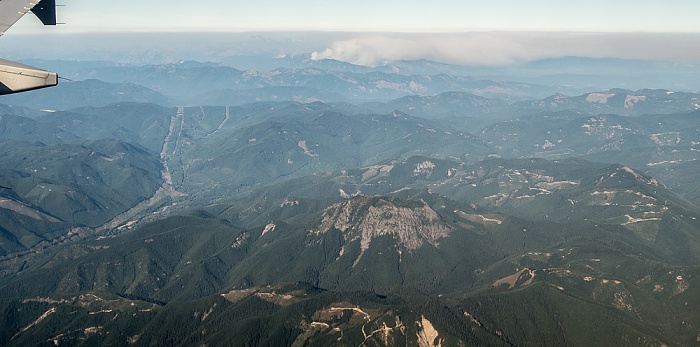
(316,31)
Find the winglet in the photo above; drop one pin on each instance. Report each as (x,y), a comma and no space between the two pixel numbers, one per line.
(45,10)
(16,77)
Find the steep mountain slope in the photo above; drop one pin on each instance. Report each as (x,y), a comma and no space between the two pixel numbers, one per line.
(23,225)
(78,183)
(57,188)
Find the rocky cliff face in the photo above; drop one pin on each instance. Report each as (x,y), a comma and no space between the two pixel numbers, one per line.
(412,224)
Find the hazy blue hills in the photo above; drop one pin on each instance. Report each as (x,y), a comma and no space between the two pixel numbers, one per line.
(575,74)
(449,105)
(92,92)
(18,128)
(662,146)
(295,61)
(179,80)
(310,141)
(616,101)
(233,70)
(240,97)
(143,124)
(596,73)
(20,111)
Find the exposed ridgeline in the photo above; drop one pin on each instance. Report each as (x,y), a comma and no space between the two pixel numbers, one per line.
(365,218)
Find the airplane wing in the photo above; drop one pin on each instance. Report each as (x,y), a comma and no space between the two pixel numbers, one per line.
(15,77)
(12,10)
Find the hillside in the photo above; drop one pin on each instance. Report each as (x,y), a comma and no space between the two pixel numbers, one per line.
(480,257)
(56,189)
(312,141)
(324,203)
(662,146)
(298,314)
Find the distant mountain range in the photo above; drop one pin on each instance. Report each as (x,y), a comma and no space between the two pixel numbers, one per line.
(616,101)
(86,93)
(193,83)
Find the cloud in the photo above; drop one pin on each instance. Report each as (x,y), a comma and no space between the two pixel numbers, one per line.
(504,48)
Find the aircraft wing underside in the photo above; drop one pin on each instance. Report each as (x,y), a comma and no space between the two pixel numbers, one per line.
(15,77)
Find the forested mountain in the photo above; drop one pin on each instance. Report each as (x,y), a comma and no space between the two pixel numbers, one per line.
(331,204)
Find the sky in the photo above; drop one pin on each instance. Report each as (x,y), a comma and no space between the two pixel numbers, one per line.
(379,15)
(494,32)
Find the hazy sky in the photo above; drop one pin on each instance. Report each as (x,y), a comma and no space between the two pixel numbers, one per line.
(378,15)
(492,32)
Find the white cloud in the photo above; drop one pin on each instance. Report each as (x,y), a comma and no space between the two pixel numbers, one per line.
(502,48)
